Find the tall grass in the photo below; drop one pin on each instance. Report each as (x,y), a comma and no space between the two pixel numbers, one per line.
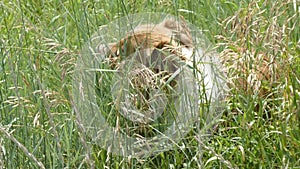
(40,43)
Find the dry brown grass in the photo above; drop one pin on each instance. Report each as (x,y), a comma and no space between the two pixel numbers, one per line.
(255,53)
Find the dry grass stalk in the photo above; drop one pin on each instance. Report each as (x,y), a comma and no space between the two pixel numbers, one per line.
(22,147)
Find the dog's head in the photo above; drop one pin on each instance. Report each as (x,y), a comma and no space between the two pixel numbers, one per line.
(172,35)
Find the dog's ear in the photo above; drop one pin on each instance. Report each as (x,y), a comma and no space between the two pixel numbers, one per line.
(171,24)
(179,29)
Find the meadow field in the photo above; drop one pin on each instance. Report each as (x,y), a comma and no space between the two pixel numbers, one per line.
(40,42)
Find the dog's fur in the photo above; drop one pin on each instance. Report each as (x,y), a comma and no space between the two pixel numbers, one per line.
(171,35)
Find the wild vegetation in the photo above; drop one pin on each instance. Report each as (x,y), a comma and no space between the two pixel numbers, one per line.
(258,42)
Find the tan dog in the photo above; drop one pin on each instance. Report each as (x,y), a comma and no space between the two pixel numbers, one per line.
(170,35)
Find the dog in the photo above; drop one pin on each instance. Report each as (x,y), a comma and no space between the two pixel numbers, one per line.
(169,35)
